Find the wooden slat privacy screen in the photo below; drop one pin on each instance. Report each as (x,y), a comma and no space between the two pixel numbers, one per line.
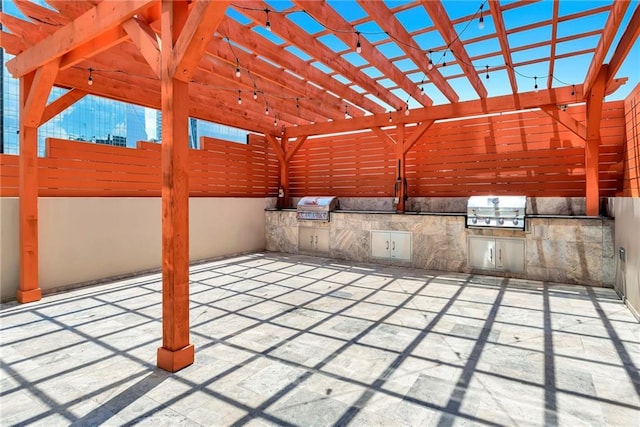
(631,186)
(521,153)
(220,168)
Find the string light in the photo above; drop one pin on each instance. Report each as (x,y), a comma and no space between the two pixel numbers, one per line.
(481,20)
(444,58)
(430,66)
(346,112)
(266,110)
(268,23)
(90,80)
(535,86)
(390,118)
(358,45)
(406,111)
(297,104)
(275,122)
(487,77)
(239,98)
(237,67)
(573,90)
(255,93)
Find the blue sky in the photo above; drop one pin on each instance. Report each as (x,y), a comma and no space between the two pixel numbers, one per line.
(566,72)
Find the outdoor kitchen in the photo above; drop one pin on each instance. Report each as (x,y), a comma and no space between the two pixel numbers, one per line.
(545,239)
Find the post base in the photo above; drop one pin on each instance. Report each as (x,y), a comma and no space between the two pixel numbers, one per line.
(30,295)
(174,360)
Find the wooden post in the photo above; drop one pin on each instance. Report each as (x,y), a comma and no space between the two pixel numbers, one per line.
(283,188)
(176,351)
(29,289)
(595,99)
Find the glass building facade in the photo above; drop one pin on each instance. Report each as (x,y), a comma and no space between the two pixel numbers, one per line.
(97,120)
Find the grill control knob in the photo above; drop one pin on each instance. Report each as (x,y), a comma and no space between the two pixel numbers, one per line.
(501,221)
(474,220)
(487,220)
(515,221)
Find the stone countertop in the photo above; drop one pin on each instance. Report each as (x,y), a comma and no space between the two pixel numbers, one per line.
(545,216)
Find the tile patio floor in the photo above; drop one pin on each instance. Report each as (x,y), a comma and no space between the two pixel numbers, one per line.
(297,340)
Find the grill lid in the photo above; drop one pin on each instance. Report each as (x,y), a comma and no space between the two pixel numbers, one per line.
(316,208)
(496,211)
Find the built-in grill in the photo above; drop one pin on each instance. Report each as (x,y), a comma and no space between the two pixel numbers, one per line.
(316,208)
(496,211)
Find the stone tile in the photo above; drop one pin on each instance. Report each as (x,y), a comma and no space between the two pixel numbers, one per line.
(292,338)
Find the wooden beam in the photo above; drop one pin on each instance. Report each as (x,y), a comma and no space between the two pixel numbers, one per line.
(610,29)
(176,352)
(102,43)
(387,21)
(143,36)
(277,54)
(283,160)
(39,90)
(447,111)
(441,20)
(29,287)
(595,100)
(565,120)
(61,104)
(498,22)
(417,134)
(328,17)
(203,21)
(625,44)
(87,26)
(282,27)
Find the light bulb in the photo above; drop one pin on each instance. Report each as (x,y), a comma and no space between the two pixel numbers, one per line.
(239,99)
(406,112)
(266,111)
(535,86)
(481,23)
(255,95)
(430,66)
(90,79)
(358,48)
(390,118)
(268,23)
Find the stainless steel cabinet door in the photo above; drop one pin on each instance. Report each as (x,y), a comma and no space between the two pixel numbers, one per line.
(482,252)
(510,256)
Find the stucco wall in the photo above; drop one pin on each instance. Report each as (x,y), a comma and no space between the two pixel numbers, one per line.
(87,239)
(627,236)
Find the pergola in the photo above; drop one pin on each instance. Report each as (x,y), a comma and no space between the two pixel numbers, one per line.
(290,71)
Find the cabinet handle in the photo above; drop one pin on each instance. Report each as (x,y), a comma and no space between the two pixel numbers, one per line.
(387,242)
(316,240)
(393,245)
(491,255)
(311,241)
(500,254)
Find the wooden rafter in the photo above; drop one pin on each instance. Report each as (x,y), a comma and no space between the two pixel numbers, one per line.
(87,26)
(610,29)
(315,48)
(625,44)
(498,22)
(554,37)
(328,17)
(279,98)
(386,20)
(103,42)
(277,54)
(310,96)
(441,20)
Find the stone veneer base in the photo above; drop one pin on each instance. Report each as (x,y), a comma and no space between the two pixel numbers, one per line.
(577,250)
